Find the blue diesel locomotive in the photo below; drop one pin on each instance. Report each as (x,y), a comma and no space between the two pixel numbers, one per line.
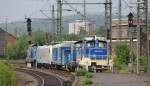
(93,53)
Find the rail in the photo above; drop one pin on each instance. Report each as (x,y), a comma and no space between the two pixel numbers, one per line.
(38,77)
(45,79)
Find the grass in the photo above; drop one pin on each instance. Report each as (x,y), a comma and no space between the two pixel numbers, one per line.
(7,74)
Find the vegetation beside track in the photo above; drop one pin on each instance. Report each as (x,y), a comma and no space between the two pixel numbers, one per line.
(7,74)
(85,77)
(122,57)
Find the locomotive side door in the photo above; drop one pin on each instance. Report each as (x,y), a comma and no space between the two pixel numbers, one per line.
(65,55)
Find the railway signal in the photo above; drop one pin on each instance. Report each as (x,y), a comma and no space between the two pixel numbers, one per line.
(29,25)
(108,34)
(130,20)
(29,29)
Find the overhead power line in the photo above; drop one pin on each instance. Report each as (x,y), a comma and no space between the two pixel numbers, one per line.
(129,7)
(78,12)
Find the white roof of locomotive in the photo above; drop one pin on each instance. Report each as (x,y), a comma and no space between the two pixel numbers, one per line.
(91,38)
(69,42)
(56,45)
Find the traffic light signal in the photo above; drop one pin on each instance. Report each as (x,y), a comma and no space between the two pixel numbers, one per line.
(130,20)
(29,25)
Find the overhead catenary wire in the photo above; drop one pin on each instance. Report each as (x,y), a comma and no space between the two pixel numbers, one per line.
(44,14)
(129,7)
(78,12)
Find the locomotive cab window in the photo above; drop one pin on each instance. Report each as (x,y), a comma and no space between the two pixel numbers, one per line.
(78,45)
(90,44)
(102,45)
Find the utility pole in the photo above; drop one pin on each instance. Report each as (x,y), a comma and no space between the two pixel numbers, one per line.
(147,33)
(119,17)
(59,18)
(142,42)
(85,15)
(108,24)
(5,34)
(53,24)
(138,39)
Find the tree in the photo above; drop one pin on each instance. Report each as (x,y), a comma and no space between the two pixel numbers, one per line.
(22,45)
(82,33)
(18,49)
(101,31)
(11,52)
(38,37)
(122,55)
(68,37)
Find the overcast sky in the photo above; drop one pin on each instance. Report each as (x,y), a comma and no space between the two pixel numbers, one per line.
(15,10)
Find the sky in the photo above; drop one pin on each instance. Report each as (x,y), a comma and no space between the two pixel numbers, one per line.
(16,10)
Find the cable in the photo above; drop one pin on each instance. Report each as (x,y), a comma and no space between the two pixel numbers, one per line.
(129,7)
(78,12)
(44,14)
(37,11)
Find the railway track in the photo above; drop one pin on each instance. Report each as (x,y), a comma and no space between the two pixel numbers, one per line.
(43,79)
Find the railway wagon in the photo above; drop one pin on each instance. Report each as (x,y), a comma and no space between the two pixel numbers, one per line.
(44,56)
(64,56)
(59,56)
(31,54)
(93,53)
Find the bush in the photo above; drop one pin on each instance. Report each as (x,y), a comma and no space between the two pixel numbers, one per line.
(122,55)
(86,81)
(18,49)
(81,72)
(7,74)
(88,75)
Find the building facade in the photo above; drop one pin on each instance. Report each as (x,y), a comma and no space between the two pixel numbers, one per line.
(124,31)
(78,25)
(5,38)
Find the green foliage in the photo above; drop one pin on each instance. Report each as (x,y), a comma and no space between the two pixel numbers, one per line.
(82,33)
(38,37)
(122,55)
(11,52)
(143,63)
(7,74)
(84,75)
(88,75)
(68,37)
(18,50)
(101,31)
(22,45)
(86,81)
(81,71)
